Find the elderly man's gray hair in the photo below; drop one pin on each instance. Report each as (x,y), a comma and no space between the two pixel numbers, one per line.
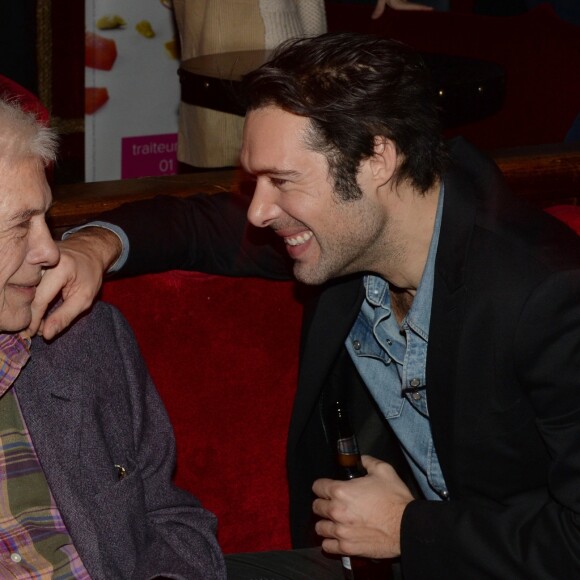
(23,135)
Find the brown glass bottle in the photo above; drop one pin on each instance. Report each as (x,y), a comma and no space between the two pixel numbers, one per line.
(350,467)
(347,453)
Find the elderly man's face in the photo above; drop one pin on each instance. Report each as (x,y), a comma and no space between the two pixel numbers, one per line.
(26,246)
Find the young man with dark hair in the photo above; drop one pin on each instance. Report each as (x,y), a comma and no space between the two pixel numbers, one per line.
(447,316)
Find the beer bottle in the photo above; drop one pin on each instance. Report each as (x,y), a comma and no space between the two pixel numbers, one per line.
(350,467)
(347,453)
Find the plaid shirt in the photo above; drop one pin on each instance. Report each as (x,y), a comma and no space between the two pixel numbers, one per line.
(34,542)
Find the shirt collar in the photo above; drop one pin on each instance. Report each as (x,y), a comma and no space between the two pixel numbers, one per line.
(14,354)
(419,315)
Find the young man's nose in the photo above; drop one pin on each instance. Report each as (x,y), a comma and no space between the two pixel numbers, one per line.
(263,209)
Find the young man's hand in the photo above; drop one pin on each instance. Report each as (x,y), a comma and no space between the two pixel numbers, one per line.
(362,517)
(84,258)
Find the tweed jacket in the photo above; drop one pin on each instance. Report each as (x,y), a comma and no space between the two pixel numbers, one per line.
(503,371)
(91,406)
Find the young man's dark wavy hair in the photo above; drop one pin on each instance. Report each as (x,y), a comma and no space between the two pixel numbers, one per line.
(354,87)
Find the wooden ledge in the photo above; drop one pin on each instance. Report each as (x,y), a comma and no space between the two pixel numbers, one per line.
(545,175)
(78,202)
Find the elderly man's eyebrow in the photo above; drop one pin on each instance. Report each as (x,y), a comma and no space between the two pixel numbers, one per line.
(25,214)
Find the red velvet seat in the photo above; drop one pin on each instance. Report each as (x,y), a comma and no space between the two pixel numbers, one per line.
(569,214)
(223,353)
(28,100)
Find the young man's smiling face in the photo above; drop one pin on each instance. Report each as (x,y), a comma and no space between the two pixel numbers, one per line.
(326,236)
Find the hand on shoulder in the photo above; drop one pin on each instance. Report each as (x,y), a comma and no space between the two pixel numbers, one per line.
(84,258)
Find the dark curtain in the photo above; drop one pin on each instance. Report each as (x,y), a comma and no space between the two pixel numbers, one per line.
(18,42)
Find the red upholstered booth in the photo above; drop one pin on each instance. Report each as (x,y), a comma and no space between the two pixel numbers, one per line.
(568,214)
(29,101)
(224,355)
(224,352)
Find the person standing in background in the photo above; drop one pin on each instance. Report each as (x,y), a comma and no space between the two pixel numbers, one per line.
(209,138)
(380,5)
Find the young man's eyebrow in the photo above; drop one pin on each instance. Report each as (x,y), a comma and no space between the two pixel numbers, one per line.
(277,172)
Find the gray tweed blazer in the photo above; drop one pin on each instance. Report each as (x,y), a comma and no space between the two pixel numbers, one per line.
(90,405)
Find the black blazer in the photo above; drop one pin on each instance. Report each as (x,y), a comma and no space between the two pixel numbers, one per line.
(503,371)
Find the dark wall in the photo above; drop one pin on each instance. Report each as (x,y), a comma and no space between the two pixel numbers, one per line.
(18,42)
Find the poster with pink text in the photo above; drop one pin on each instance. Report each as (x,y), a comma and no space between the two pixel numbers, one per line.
(131,89)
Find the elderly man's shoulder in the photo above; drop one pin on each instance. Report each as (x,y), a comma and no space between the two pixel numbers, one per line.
(97,356)
(98,338)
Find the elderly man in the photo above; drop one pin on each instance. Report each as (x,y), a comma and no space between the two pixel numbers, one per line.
(448,316)
(86,455)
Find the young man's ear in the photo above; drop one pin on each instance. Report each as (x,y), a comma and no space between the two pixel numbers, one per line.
(383,163)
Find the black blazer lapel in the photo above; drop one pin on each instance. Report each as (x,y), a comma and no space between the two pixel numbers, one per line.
(447,313)
(323,337)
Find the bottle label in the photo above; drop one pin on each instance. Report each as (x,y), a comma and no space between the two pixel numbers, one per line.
(347,446)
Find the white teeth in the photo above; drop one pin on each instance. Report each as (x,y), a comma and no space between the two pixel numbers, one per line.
(298,240)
